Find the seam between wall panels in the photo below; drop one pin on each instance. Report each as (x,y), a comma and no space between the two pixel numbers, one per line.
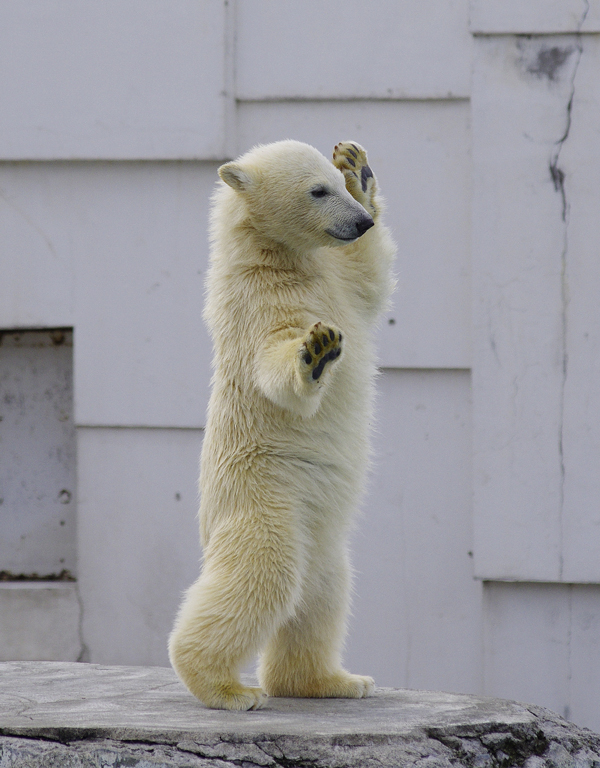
(568,707)
(335,98)
(111,425)
(229,93)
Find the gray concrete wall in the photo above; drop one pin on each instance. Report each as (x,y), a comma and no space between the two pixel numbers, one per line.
(484,504)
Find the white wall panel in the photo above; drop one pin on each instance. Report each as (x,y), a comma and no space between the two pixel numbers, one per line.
(142,352)
(581,432)
(116,79)
(37,288)
(520,114)
(534,16)
(420,154)
(39,621)
(526,643)
(542,646)
(416,616)
(335,49)
(138,538)
(585,656)
(124,247)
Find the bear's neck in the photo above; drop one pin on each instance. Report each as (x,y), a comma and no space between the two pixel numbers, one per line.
(278,256)
(260,249)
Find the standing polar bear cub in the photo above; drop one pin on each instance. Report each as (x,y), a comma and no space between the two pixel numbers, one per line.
(300,270)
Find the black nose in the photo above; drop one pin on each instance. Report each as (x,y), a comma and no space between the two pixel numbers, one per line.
(363,224)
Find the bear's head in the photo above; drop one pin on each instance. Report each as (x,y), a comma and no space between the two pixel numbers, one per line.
(295,197)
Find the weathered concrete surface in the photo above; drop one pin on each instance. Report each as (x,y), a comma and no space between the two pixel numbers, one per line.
(84,715)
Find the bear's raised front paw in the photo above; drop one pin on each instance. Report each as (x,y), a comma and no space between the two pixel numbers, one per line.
(351,159)
(322,345)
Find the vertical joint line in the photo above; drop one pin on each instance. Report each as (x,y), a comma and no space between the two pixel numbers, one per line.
(570,598)
(229,85)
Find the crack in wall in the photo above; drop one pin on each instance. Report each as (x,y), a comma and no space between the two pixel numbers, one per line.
(558,179)
(84,653)
(584,15)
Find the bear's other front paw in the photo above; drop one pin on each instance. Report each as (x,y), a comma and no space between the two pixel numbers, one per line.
(321,346)
(351,159)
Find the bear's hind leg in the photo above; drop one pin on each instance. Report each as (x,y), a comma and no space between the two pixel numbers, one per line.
(245,591)
(302,658)
(205,660)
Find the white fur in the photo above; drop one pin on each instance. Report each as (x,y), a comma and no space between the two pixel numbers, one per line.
(284,456)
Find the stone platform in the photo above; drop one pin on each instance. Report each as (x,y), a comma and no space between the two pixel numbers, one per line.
(83,715)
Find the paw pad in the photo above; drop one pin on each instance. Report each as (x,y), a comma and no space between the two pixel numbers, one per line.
(321,346)
(351,159)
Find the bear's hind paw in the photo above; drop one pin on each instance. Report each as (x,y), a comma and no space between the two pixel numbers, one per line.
(336,685)
(345,685)
(235,697)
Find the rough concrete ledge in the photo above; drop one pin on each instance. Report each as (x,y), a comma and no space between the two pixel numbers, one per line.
(83,715)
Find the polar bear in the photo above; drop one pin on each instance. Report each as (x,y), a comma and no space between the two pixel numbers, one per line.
(300,270)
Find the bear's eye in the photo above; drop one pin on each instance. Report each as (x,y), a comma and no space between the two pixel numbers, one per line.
(319,192)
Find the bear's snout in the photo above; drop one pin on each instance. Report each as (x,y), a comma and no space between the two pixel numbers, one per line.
(352,228)
(363,224)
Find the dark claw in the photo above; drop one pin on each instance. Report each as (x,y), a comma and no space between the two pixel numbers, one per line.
(365,174)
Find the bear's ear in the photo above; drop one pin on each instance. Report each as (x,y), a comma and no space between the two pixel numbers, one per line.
(235,176)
